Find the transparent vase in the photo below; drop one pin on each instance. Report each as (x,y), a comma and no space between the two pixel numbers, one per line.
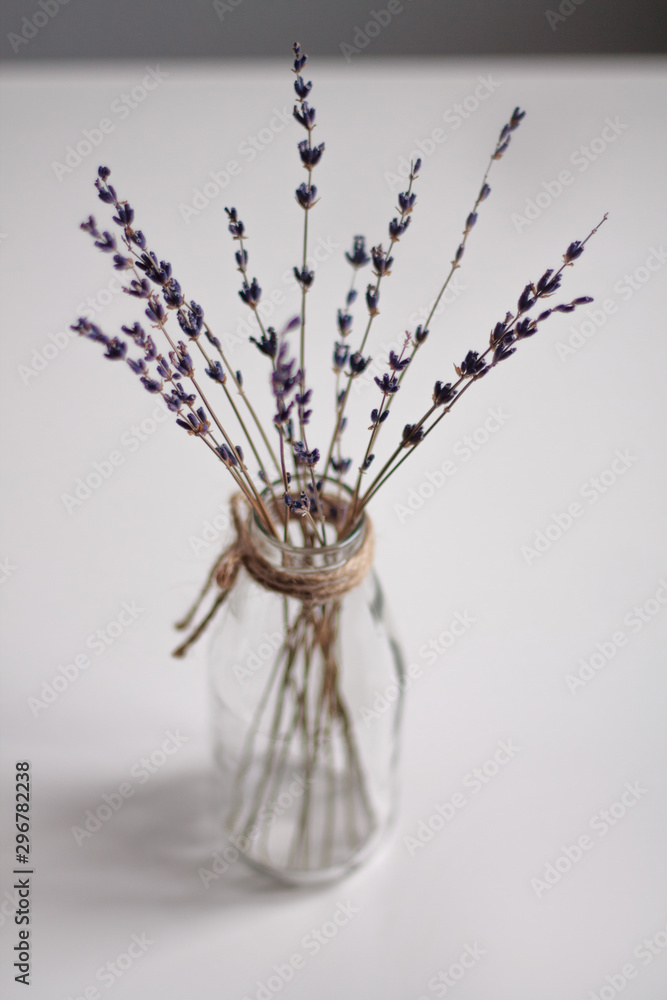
(307,702)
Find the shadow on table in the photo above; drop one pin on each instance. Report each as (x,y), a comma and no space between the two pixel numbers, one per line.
(152,848)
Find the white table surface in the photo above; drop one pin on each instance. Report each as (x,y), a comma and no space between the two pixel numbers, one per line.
(566,415)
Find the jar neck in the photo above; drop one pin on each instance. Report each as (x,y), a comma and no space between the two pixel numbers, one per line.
(301,559)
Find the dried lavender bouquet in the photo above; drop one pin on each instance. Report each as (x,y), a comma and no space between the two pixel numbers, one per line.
(306,501)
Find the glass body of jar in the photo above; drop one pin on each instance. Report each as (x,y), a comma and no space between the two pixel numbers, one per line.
(307,701)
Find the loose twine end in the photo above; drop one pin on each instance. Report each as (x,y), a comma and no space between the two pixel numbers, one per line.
(315,587)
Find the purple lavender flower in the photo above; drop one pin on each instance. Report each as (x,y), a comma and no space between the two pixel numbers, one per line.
(251,293)
(227,455)
(471,366)
(138,367)
(378,417)
(268,342)
(381,261)
(155,312)
(191,320)
(236,227)
(358,363)
(573,251)
(163,369)
(195,423)
(90,226)
(172,294)
(310,155)
(306,195)
(124,214)
(357,257)
(139,289)
(106,243)
(299,58)
(443,393)
(305,457)
(397,227)
(388,384)
(174,404)
(136,333)
(159,273)
(116,349)
(215,371)
(304,277)
(412,435)
(182,362)
(340,355)
(503,351)
(527,298)
(372,299)
(305,115)
(302,88)
(344,323)
(396,363)
(406,202)
(525,328)
(548,285)
(151,385)
(340,465)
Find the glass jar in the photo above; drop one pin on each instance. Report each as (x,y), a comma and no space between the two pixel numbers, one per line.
(307,703)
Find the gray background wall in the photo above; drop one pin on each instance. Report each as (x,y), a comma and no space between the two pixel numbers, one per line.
(143,28)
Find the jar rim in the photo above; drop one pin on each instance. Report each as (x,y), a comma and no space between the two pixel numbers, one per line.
(336,548)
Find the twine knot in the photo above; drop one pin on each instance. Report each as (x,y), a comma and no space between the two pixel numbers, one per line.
(310,585)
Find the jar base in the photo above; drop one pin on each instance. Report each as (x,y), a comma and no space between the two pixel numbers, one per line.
(375,846)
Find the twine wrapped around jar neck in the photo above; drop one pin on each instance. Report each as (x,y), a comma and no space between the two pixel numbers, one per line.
(314,585)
